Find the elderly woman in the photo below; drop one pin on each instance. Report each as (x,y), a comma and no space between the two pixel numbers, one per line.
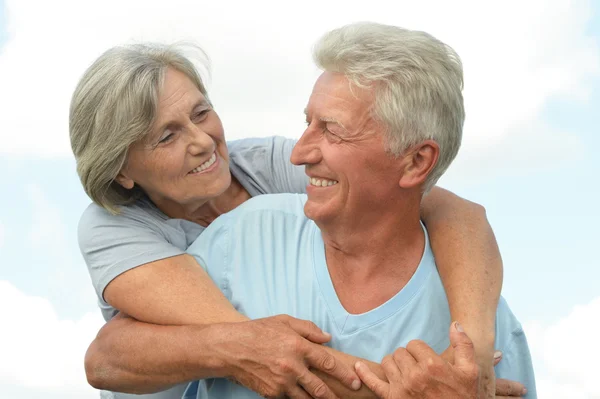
(152,156)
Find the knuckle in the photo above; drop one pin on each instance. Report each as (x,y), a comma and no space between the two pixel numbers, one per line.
(320,390)
(328,363)
(434,367)
(414,344)
(387,359)
(284,366)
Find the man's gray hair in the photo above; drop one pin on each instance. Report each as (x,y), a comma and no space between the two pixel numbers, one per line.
(114,105)
(417,82)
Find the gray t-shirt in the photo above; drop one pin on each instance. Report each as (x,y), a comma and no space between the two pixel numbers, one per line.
(141,233)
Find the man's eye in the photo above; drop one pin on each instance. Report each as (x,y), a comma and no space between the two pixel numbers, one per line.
(199,116)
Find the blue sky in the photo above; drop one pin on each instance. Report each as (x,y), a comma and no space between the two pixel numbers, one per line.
(540,191)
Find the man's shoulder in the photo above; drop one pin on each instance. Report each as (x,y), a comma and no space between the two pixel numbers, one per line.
(276,203)
(508,326)
(260,209)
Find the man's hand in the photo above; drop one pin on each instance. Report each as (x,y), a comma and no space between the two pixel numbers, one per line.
(272,356)
(418,372)
(489,386)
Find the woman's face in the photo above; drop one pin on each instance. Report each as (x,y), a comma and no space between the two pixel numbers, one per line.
(183,161)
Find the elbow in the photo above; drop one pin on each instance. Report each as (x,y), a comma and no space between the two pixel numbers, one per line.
(96,371)
(477,209)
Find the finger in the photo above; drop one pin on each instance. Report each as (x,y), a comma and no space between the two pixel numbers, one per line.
(509,388)
(308,330)
(421,351)
(390,368)
(464,353)
(374,383)
(297,393)
(314,387)
(497,357)
(318,358)
(404,360)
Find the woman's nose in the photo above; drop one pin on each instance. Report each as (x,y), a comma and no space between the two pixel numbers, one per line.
(198,140)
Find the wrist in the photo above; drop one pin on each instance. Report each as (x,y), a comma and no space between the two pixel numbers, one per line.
(206,354)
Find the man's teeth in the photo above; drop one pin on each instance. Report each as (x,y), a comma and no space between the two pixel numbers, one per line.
(206,164)
(322,182)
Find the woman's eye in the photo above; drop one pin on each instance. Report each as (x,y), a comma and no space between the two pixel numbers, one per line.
(166,138)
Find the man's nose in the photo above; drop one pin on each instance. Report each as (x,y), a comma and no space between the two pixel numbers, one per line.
(306,151)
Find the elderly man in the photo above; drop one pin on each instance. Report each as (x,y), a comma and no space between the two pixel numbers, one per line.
(384,122)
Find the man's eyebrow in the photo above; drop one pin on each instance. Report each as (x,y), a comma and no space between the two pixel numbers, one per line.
(327,119)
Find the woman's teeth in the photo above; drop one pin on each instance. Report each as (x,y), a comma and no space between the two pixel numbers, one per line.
(206,164)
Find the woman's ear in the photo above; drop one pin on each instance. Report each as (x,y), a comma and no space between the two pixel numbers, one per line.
(124,180)
(418,163)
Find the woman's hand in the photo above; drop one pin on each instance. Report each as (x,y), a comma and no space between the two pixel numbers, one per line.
(418,372)
(272,357)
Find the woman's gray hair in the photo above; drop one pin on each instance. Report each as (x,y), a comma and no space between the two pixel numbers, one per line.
(114,105)
(417,79)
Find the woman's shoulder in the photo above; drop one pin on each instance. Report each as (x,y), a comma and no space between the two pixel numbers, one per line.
(138,218)
(272,144)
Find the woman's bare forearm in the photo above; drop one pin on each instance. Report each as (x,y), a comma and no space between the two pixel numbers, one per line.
(134,357)
(468,261)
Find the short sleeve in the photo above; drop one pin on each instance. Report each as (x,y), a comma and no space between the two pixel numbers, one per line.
(263,166)
(516,364)
(113,244)
(212,248)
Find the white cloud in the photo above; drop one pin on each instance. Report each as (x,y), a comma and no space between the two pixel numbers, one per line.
(41,353)
(517,56)
(566,354)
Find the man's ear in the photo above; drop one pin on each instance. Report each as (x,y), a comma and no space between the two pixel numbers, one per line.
(418,162)
(125,181)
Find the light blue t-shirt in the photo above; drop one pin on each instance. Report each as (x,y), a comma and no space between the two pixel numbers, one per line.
(268,259)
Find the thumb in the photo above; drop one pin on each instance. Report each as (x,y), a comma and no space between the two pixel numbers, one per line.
(464,352)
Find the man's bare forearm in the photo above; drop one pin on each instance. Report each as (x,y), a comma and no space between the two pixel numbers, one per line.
(134,357)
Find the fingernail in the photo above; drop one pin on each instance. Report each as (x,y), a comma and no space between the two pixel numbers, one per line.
(459,327)
(356,385)
(327,334)
(497,354)
(524,391)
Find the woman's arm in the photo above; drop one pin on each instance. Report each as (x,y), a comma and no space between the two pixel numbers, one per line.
(470,266)
(265,352)
(266,355)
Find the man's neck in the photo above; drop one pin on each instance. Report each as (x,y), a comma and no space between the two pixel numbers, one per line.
(371,261)
(205,213)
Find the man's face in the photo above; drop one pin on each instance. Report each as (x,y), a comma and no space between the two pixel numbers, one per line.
(343,151)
